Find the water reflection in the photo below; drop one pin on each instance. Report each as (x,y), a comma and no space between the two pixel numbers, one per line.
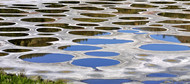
(13,34)
(33,42)
(11,11)
(79,48)
(54,25)
(161,75)
(38,19)
(131,23)
(87,8)
(175,15)
(90,19)
(154,29)
(186,3)
(87,24)
(156,25)
(55,15)
(102,53)
(51,10)
(172,38)
(154,82)
(17,50)
(172,60)
(102,3)
(9,15)
(106,81)
(181,0)
(3,54)
(101,41)
(89,33)
(24,5)
(133,18)
(54,5)
(172,7)
(61,25)
(140,0)
(46,57)
(113,0)
(70,2)
(45,34)
(163,2)
(108,28)
(174,21)
(129,11)
(186,27)
(12,29)
(72,27)
(164,47)
(97,15)
(128,31)
(6,23)
(143,5)
(95,62)
(94,19)
(48,30)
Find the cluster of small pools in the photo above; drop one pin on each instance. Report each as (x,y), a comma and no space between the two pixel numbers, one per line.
(83,23)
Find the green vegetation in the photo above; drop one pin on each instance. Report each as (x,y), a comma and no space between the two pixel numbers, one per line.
(22,79)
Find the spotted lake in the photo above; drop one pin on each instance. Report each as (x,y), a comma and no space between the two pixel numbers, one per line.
(97,41)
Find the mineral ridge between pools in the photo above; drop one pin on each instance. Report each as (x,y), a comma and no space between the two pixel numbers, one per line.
(142,41)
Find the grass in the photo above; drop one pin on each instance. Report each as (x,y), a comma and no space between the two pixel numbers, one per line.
(6,78)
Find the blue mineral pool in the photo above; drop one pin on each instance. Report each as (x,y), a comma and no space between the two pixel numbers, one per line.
(161,75)
(169,38)
(102,53)
(101,41)
(95,62)
(153,82)
(106,81)
(164,47)
(79,48)
(46,57)
(128,31)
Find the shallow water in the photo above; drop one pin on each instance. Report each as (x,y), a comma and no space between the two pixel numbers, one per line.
(97,42)
(46,57)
